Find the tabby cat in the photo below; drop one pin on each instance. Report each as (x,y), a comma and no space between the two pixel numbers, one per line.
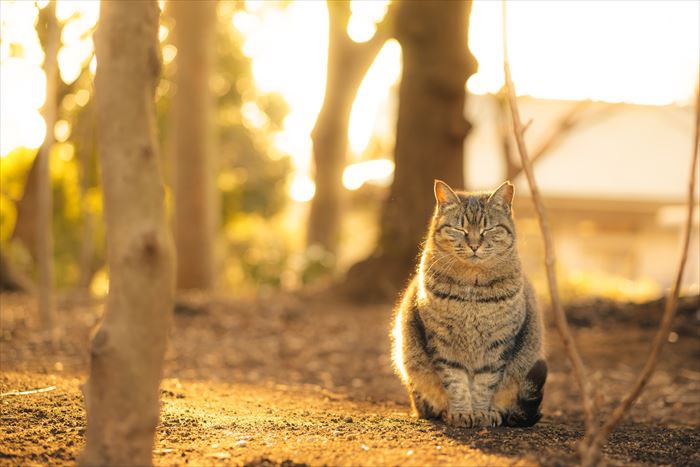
(467,336)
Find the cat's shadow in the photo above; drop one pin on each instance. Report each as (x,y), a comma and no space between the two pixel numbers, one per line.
(554,440)
(550,442)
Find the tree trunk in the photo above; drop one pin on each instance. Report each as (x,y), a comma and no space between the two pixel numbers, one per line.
(126,357)
(348,63)
(193,130)
(85,147)
(44,245)
(429,138)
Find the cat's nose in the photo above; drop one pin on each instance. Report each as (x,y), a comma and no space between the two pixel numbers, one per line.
(474,246)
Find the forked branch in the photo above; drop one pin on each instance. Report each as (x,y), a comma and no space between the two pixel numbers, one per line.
(596,436)
(550,258)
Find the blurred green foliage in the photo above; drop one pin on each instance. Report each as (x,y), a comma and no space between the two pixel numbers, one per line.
(251,177)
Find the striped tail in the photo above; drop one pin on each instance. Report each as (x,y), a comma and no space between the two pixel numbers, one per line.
(527,410)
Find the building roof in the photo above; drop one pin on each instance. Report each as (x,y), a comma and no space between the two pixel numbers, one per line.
(619,152)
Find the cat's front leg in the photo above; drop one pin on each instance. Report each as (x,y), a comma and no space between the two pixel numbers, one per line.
(484,383)
(455,380)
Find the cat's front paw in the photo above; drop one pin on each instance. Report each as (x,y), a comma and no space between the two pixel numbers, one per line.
(489,417)
(459,419)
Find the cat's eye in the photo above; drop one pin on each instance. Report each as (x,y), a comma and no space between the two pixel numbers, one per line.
(495,228)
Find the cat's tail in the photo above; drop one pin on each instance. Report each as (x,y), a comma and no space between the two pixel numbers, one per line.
(527,408)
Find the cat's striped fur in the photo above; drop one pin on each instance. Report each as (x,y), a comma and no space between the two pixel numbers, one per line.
(467,337)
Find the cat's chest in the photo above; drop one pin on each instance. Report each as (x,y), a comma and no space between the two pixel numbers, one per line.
(467,328)
(474,319)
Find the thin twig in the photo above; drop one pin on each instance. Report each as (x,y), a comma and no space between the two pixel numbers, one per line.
(550,258)
(560,128)
(594,443)
(31,391)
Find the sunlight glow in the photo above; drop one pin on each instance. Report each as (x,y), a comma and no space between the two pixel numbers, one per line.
(302,189)
(61,131)
(253,116)
(614,51)
(377,171)
(279,66)
(373,96)
(364,18)
(82,97)
(397,356)
(22,79)
(169,53)
(288,51)
(23,90)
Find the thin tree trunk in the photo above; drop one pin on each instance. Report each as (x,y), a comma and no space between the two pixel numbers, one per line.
(429,138)
(193,111)
(44,246)
(126,358)
(348,63)
(85,147)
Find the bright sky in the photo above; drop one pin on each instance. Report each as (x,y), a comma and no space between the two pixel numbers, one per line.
(619,51)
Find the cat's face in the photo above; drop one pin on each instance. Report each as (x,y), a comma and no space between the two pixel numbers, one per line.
(477,228)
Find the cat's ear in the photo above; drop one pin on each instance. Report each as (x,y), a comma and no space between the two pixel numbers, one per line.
(444,194)
(503,196)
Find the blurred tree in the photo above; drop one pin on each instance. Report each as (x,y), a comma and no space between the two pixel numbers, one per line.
(195,201)
(74,205)
(49,34)
(348,63)
(429,138)
(251,175)
(126,357)
(89,258)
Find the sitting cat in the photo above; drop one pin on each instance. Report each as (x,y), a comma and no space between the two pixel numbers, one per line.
(467,336)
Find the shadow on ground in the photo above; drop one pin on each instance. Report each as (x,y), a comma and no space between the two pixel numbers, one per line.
(307,380)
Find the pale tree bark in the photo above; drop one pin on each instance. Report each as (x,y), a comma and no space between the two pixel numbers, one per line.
(44,245)
(126,357)
(348,63)
(193,131)
(429,138)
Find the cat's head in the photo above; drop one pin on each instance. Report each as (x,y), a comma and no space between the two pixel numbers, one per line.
(477,228)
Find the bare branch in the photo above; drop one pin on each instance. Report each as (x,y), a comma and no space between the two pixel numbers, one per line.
(550,259)
(556,133)
(594,443)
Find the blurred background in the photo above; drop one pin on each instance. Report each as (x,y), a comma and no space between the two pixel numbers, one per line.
(609,87)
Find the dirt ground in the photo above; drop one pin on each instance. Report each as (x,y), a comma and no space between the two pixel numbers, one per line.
(293,380)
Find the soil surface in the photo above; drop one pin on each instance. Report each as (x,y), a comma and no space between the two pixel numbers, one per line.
(294,380)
